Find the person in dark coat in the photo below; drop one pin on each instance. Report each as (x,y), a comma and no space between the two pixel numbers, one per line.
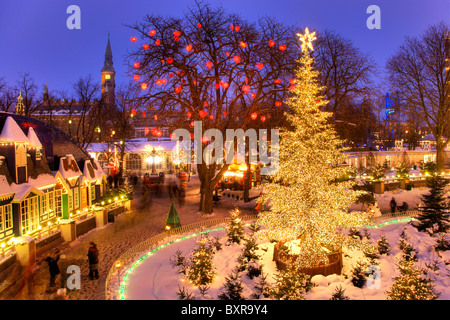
(53,267)
(110,181)
(93,261)
(393,204)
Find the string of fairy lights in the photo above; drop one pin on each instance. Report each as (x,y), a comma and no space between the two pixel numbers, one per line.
(123,283)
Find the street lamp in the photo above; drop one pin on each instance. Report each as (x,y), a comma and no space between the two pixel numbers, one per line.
(153,161)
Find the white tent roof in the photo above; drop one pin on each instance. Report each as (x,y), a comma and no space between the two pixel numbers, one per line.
(12,132)
(33,138)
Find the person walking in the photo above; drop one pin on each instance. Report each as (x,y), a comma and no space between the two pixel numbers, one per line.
(53,267)
(393,204)
(93,261)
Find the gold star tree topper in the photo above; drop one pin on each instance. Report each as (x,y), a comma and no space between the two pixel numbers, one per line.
(307,40)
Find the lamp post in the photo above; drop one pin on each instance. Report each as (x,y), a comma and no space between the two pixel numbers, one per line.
(118,265)
(153,161)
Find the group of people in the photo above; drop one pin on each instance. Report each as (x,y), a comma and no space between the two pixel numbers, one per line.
(92,257)
(114,181)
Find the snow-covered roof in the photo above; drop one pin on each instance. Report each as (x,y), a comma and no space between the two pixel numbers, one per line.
(12,132)
(23,190)
(68,167)
(33,139)
(5,188)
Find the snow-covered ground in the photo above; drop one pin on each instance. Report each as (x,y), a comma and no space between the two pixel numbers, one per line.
(155,277)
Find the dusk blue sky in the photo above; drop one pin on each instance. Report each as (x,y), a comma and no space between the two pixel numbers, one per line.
(34,37)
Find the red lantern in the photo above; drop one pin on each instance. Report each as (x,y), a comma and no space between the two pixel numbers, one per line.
(227,54)
(199,25)
(154,131)
(225,113)
(170,75)
(232,27)
(159,133)
(133,39)
(176,38)
(278,103)
(237,28)
(277,81)
(271,43)
(136,77)
(205,103)
(217,86)
(209,64)
(136,65)
(169,60)
(237,59)
(155,117)
(204,139)
(253,95)
(143,114)
(164,81)
(152,33)
(292,81)
(133,112)
(246,88)
(144,86)
(192,123)
(225,85)
(243,44)
(263,118)
(189,47)
(176,33)
(159,82)
(145,46)
(189,114)
(292,87)
(211,116)
(260,65)
(191,135)
(178,89)
(202,113)
(158,42)
(254,115)
(282,47)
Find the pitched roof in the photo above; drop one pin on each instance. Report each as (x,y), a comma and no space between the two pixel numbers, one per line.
(33,138)
(68,167)
(12,132)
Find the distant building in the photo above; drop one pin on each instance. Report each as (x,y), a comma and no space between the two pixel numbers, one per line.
(66,114)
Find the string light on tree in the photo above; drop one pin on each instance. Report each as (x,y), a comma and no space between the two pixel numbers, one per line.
(306,204)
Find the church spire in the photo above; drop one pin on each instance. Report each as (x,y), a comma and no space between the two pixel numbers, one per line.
(108,76)
(45,93)
(20,109)
(108,64)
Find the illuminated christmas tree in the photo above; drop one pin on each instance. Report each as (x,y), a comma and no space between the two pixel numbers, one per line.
(202,271)
(412,284)
(306,200)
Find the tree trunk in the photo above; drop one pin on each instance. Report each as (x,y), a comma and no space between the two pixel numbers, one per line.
(440,156)
(206,196)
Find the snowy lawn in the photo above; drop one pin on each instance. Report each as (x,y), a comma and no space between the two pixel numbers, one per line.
(155,277)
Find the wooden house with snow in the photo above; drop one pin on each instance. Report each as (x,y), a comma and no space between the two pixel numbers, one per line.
(40,180)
